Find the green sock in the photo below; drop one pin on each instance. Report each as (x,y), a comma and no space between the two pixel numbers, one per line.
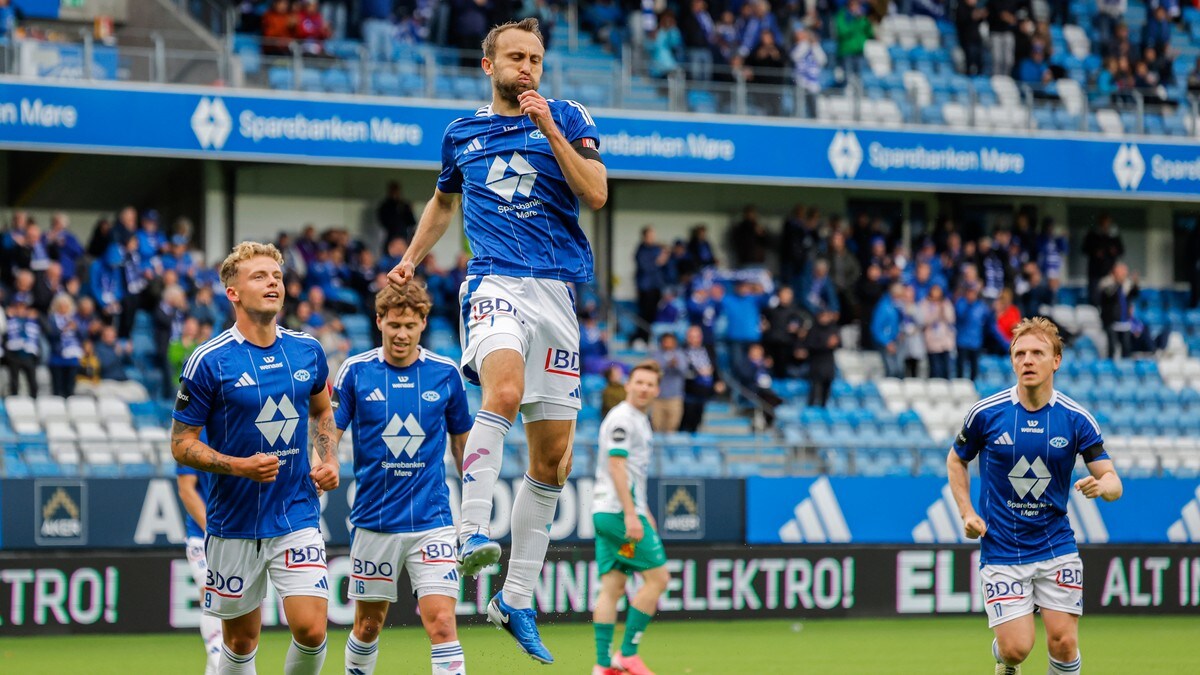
(604,636)
(635,625)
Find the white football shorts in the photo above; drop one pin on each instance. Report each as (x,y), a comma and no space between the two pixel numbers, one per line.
(378,557)
(536,316)
(238,570)
(1011,591)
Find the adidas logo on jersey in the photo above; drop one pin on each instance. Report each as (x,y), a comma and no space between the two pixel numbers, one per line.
(818,519)
(376,395)
(452,576)
(473,146)
(468,478)
(322,584)
(244,381)
(403,436)
(1004,439)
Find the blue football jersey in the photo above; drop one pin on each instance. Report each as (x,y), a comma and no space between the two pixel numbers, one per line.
(251,400)
(400,418)
(519,213)
(1025,465)
(203,483)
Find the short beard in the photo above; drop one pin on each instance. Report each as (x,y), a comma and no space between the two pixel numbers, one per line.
(508,91)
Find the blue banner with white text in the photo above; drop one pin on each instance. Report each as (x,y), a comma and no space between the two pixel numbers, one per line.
(921,510)
(345,130)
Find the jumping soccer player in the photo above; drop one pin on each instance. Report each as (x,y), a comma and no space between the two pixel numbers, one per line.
(1027,439)
(402,400)
(254,390)
(626,539)
(192,486)
(522,162)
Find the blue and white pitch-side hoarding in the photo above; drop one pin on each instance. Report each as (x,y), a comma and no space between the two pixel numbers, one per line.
(245,124)
(922,510)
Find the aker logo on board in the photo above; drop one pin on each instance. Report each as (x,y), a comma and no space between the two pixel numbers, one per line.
(60,515)
(681,503)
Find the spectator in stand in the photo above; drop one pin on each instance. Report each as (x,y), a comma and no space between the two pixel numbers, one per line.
(135,276)
(697,28)
(750,239)
(787,324)
(31,251)
(1034,70)
(1036,292)
(182,346)
(113,355)
(819,345)
(754,373)
(1140,339)
(818,293)
(868,291)
(99,240)
(757,19)
(670,309)
(852,29)
(667,412)
(1193,80)
(995,268)
(1051,250)
(614,389)
(886,324)
(1119,44)
(24,334)
(66,345)
(1117,292)
(767,66)
(9,17)
(969,17)
(1003,19)
(1007,317)
(704,308)
(701,380)
(310,29)
(471,24)
(912,334)
(1106,81)
(169,317)
(971,315)
(278,28)
(23,287)
(649,259)
(1102,246)
(206,310)
(937,316)
(63,246)
(1109,13)
(808,61)
(151,241)
(845,272)
(1156,34)
(89,366)
(593,347)
(742,310)
(307,245)
(378,29)
(47,286)
(178,259)
(90,323)
(799,241)
(395,215)
(700,251)
(666,46)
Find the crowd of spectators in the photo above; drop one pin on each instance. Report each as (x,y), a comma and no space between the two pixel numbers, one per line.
(931,308)
(73,305)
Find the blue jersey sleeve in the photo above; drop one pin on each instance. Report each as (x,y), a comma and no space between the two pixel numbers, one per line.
(1088,440)
(185,470)
(577,123)
(458,413)
(343,396)
(450,179)
(322,379)
(197,387)
(969,440)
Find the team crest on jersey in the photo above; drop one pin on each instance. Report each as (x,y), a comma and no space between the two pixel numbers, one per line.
(537,134)
(431,396)
(302,375)
(1058,442)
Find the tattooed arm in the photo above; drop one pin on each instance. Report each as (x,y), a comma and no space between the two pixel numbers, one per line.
(187,449)
(325,437)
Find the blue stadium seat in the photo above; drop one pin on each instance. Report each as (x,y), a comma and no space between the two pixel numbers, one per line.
(279,77)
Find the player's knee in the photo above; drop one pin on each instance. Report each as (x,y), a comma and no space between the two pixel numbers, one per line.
(309,636)
(240,644)
(1062,647)
(657,578)
(367,628)
(1014,653)
(503,398)
(440,627)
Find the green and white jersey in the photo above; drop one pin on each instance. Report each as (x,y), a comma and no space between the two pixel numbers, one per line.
(625,432)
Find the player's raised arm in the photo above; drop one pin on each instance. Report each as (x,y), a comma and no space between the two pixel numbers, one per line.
(325,437)
(580,164)
(188,449)
(434,221)
(1103,481)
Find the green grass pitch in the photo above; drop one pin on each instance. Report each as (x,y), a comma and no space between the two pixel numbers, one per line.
(958,646)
